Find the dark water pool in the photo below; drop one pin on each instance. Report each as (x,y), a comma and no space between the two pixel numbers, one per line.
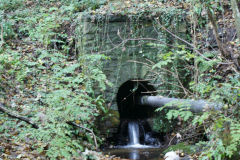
(136,153)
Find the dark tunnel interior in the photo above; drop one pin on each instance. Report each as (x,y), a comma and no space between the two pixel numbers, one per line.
(129,94)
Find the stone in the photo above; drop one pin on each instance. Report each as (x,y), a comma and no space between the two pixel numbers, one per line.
(171,156)
(108,35)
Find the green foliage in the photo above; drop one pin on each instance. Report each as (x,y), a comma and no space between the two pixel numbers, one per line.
(166,121)
(175,73)
(11,5)
(92,4)
(162,124)
(224,137)
(48,77)
(43,80)
(189,149)
(6,27)
(62,94)
(173,114)
(206,82)
(222,127)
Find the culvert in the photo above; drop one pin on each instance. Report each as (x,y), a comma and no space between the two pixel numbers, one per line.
(134,129)
(129,93)
(136,99)
(137,102)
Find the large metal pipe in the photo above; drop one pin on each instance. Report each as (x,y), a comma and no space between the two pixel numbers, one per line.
(192,105)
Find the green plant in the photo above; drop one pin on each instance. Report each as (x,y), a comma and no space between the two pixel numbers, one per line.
(51,87)
(92,4)
(11,5)
(162,124)
(221,127)
(173,67)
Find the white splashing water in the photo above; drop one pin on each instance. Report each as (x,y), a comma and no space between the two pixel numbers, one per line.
(134,137)
(133,132)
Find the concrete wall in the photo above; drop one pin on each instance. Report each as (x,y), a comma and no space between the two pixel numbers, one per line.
(108,35)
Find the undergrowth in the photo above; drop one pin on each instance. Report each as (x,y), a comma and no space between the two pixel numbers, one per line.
(45,78)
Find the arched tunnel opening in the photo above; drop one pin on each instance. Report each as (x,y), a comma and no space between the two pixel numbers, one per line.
(133,115)
(128,96)
(137,101)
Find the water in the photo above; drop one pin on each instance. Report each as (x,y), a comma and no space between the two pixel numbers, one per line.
(136,153)
(134,149)
(134,137)
(133,132)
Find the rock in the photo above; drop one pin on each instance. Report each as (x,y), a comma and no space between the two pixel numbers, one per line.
(171,156)
(175,156)
(150,140)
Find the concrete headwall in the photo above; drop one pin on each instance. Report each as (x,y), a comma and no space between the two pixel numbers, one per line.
(129,43)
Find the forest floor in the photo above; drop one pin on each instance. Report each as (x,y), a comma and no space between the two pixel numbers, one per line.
(10,149)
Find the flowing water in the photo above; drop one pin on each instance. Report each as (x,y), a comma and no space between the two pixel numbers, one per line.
(134,137)
(134,149)
(133,132)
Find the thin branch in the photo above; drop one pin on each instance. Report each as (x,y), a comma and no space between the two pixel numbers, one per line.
(150,61)
(124,41)
(215,31)
(13,115)
(149,66)
(194,48)
(186,91)
(89,130)
(2,40)
(134,61)
(177,37)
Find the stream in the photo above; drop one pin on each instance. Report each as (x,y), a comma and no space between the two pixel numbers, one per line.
(136,153)
(134,149)
(135,138)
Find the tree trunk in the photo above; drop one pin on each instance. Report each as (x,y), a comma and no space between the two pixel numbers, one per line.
(215,31)
(236,15)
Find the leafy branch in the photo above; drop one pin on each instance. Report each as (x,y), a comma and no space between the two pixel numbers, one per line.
(29,121)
